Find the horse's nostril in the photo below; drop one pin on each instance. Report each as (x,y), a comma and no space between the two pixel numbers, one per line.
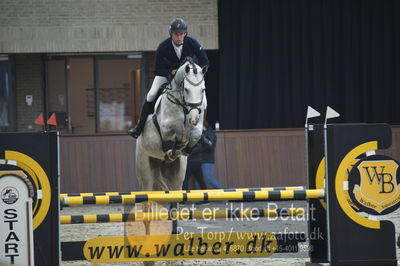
(194,120)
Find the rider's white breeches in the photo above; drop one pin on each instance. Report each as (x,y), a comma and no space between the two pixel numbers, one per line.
(157,82)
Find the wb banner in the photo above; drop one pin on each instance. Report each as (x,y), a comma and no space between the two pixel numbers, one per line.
(196,236)
(186,246)
(371,184)
(374,185)
(361,185)
(29,199)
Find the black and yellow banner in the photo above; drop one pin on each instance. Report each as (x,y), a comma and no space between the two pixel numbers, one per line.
(210,245)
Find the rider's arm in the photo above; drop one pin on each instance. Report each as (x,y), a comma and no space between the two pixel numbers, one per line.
(162,66)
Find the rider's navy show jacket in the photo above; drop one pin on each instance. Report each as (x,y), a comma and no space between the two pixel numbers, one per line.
(166,58)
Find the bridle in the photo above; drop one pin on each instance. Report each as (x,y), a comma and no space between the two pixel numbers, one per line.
(181,101)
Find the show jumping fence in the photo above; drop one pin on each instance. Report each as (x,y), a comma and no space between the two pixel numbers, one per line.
(86,194)
(346,235)
(272,195)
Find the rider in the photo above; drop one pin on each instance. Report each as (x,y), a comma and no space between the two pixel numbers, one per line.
(169,54)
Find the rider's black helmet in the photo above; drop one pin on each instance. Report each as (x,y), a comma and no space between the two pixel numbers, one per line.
(177,25)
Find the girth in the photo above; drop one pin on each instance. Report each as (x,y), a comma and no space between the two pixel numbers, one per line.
(166,145)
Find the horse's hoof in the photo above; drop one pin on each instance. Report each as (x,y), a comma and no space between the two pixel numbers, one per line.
(187,151)
(167,159)
(171,156)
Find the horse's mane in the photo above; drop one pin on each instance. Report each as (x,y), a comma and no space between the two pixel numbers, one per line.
(181,70)
(188,59)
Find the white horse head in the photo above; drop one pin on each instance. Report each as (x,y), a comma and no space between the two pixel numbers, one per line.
(190,79)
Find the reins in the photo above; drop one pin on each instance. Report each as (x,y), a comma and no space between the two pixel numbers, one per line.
(187,107)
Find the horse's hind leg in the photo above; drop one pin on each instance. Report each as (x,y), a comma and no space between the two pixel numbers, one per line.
(147,170)
(175,172)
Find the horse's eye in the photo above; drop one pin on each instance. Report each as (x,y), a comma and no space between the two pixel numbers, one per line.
(203,90)
(186,89)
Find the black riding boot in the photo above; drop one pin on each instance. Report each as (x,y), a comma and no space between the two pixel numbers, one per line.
(146,110)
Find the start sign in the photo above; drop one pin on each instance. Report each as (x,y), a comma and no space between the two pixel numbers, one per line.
(16,238)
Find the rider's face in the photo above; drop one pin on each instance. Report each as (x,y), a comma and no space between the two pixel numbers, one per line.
(177,37)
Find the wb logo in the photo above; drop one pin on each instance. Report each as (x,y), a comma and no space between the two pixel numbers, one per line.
(383,179)
(375,185)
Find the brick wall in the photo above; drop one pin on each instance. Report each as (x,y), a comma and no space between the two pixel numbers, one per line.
(100,25)
(29,73)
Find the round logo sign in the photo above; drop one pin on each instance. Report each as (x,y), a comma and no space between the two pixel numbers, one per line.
(9,195)
(374,184)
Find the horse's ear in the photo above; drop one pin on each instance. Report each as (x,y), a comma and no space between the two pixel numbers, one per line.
(187,68)
(204,70)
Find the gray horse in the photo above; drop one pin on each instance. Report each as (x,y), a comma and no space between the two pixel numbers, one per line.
(172,131)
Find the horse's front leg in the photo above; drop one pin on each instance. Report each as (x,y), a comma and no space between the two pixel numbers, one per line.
(176,151)
(173,133)
(194,135)
(171,155)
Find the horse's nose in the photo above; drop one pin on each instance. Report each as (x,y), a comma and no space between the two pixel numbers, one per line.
(194,116)
(194,120)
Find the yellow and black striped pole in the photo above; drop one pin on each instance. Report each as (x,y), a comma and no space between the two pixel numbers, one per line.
(86,194)
(181,215)
(272,195)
